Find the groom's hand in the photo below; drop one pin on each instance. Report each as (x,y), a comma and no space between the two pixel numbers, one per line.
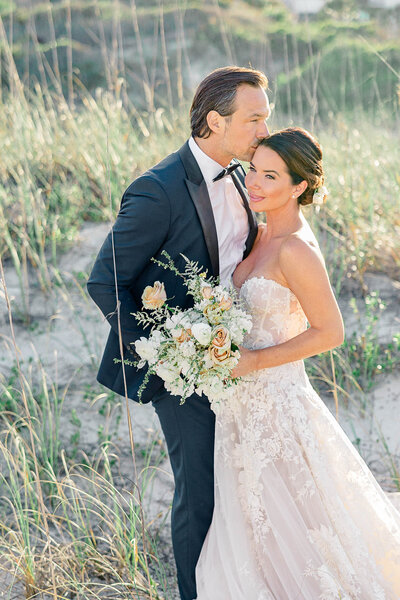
(247,362)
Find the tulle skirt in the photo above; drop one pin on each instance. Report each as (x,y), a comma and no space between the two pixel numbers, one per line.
(298,515)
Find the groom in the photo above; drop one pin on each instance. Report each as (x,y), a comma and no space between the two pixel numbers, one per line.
(193,202)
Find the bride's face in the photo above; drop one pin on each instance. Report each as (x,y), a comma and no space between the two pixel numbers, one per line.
(268,182)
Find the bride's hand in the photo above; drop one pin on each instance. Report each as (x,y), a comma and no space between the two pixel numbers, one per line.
(247,362)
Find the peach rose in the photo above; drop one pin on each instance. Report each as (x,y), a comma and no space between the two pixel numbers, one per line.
(217,356)
(154,297)
(221,339)
(181,335)
(207,292)
(226,303)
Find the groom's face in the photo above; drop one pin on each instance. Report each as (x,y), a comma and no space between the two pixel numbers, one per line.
(247,125)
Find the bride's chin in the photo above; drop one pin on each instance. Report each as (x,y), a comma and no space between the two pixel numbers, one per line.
(257,206)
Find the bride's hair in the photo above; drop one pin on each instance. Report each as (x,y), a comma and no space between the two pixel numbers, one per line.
(303,157)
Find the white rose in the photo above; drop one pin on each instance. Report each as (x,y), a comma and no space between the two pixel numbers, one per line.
(245,323)
(202,333)
(157,337)
(146,349)
(167,372)
(177,320)
(236,333)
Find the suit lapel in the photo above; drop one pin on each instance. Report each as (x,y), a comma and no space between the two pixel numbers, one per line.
(197,189)
(201,200)
(238,181)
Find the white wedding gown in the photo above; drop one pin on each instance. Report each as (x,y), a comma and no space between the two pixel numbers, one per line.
(298,515)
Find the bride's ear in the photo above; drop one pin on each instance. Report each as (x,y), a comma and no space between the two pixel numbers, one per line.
(299,189)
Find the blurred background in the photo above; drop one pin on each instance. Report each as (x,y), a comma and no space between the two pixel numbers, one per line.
(321,57)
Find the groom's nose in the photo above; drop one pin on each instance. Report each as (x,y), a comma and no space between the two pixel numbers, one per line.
(263,130)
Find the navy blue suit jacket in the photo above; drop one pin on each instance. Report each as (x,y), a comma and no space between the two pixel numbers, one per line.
(166,208)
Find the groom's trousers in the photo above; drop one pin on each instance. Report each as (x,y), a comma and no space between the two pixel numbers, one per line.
(189,434)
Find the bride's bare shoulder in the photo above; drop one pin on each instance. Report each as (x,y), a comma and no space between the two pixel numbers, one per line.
(300,247)
(302,265)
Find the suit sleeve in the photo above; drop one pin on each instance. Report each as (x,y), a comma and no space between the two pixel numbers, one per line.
(140,230)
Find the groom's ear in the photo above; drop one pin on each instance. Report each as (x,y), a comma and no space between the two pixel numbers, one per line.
(215,122)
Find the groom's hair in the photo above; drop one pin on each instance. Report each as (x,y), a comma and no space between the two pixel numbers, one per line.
(218,92)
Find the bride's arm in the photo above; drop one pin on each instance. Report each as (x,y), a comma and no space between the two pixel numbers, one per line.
(304,270)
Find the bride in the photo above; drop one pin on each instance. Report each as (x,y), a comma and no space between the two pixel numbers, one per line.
(298,515)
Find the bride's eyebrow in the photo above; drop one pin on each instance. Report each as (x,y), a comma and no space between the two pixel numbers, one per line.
(265,170)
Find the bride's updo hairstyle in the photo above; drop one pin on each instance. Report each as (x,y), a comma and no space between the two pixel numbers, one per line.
(303,157)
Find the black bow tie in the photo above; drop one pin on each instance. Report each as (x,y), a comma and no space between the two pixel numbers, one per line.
(226,171)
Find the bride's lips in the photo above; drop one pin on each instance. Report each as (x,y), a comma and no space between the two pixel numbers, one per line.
(254,198)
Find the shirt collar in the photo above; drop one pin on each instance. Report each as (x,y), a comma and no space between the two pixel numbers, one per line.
(208,166)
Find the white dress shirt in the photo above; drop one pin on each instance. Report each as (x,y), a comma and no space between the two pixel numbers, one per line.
(230,216)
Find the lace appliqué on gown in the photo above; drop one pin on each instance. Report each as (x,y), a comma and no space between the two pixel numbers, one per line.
(298,515)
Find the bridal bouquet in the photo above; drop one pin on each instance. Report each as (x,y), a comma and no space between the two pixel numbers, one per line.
(192,350)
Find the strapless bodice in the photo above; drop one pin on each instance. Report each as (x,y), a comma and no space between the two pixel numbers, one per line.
(276,313)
